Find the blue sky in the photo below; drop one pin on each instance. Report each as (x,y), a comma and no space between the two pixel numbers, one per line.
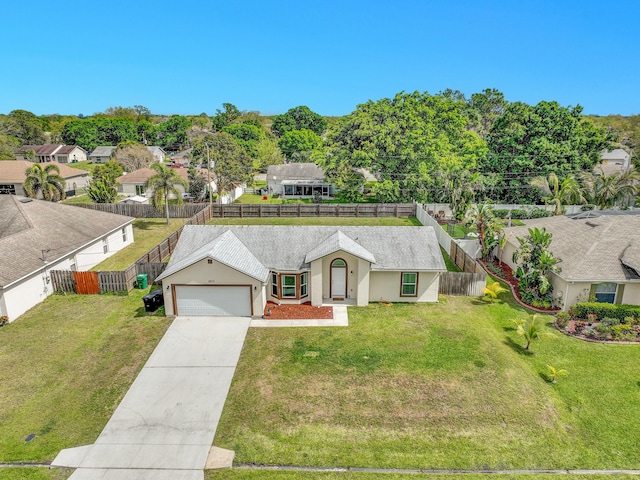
(188,56)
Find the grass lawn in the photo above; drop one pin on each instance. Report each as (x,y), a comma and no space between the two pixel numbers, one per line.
(349,221)
(84,198)
(444,385)
(451,265)
(248,198)
(66,364)
(242,474)
(87,165)
(147,232)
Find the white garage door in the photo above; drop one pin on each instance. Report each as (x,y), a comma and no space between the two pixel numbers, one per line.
(208,300)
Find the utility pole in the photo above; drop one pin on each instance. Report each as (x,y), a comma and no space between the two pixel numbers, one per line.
(209,176)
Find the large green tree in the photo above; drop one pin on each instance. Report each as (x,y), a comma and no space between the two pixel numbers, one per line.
(172,133)
(132,156)
(46,181)
(164,184)
(95,131)
(231,165)
(247,136)
(299,142)
(225,117)
(530,141)
(405,140)
(25,126)
(485,108)
(298,118)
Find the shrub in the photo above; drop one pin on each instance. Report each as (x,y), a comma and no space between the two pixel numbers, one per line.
(540,213)
(519,214)
(629,321)
(604,328)
(562,319)
(623,332)
(501,213)
(605,310)
(610,322)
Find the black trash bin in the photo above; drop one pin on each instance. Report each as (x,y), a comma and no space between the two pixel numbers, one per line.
(152,301)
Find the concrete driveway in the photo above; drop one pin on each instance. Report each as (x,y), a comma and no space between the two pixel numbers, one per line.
(165,424)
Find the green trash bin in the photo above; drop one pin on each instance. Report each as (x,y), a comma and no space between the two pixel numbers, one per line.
(142,280)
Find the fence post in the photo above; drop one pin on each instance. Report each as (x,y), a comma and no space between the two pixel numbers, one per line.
(396,210)
(299,209)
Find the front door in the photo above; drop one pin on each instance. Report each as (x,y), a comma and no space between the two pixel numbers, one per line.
(338,279)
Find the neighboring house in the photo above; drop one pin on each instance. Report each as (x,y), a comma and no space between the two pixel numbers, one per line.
(615,161)
(37,237)
(235,270)
(181,158)
(12,177)
(132,184)
(52,153)
(104,153)
(600,257)
(298,180)
(101,154)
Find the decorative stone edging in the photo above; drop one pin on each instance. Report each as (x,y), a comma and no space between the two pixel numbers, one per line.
(595,340)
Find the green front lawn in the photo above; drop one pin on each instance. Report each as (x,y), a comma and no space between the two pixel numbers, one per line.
(147,233)
(251,199)
(66,364)
(444,385)
(347,221)
(87,165)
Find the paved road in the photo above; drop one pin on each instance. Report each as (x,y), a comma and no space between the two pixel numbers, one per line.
(165,424)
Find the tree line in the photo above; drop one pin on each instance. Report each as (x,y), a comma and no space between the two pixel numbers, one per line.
(443,147)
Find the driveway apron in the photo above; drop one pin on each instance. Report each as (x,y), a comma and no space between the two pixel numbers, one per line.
(165,424)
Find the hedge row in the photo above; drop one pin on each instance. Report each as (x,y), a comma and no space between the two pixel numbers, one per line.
(605,310)
(521,214)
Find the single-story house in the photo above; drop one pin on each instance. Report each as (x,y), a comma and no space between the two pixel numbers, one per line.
(101,154)
(182,158)
(37,237)
(235,270)
(52,153)
(132,184)
(600,257)
(12,177)
(298,180)
(104,153)
(615,161)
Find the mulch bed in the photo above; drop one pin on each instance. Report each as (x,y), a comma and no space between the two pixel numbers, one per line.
(506,275)
(305,311)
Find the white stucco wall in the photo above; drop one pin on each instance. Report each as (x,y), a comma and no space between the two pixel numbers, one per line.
(385,287)
(204,273)
(24,294)
(631,294)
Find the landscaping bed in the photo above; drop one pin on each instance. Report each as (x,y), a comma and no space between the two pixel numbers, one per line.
(504,272)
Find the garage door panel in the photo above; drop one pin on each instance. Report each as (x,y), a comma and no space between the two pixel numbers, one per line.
(213,300)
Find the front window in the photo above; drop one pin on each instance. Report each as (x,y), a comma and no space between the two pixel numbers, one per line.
(124,235)
(7,189)
(303,284)
(606,292)
(140,190)
(409,287)
(274,285)
(288,286)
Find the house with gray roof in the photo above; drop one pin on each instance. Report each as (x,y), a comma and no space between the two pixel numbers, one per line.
(614,161)
(104,153)
(600,257)
(37,237)
(298,180)
(236,270)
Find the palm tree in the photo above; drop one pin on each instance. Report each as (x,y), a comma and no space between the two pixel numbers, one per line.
(606,191)
(558,193)
(164,184)
(528,329)
(487,227)
(47,181)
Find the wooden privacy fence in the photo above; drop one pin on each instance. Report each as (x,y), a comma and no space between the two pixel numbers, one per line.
(462,283)
(145,211)
(103,282)
(314,210)
(463,260)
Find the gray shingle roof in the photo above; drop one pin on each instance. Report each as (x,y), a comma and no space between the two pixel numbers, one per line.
(29,228)
(591,249)
(290,248)
(295,171)
(103,151)
(339,241)
(226,249)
